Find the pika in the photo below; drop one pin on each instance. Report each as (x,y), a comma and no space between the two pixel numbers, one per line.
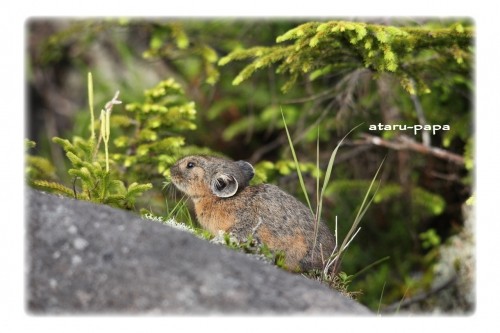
(223,200)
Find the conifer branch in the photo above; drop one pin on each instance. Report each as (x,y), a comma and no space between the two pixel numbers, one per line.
(316,47)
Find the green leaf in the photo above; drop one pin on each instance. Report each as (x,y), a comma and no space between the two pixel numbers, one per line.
(136,189)
(156,41)
(321,72)
(209,54)
(64,143)
(143,150)
(148,135)
(28,144)
(82,173)
(116,199)
(117,187)
(122,141)
(314,41)
(75,160)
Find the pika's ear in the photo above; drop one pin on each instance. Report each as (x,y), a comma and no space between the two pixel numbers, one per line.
(224,185)
(247,169)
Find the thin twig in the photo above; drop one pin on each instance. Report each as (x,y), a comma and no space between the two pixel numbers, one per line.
(257,154)
(421,297)
(332,259)
(405,143)
(74,187)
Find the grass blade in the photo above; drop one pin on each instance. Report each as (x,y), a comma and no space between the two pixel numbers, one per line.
(318,173)
(299,173)
(380,300)
(329,170)
(361,212)
(370,266)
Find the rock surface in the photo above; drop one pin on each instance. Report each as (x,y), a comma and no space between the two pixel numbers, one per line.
(84,258)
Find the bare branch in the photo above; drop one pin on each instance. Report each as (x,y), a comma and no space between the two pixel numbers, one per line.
(421,297)
(405,143)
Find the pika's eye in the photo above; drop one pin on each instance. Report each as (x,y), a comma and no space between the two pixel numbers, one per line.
(190,165)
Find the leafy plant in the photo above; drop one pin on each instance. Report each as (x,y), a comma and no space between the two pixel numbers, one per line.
(93,180)
(148,140)
(37,167)
(140,145)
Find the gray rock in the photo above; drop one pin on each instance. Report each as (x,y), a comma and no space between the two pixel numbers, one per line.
(92,259)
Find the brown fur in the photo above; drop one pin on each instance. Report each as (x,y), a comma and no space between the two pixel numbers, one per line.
(294,254)
(213,215)
(263,211)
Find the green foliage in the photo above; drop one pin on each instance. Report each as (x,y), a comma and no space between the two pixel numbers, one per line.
(320,48)
(171,41)
(96,183)
(267,171)
(266,121)
(430,239)
(37,167)
(53,49)
(469,158)
(148,137)
(424,202)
